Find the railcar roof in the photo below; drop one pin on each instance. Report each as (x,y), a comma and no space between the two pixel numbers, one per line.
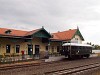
(75,44)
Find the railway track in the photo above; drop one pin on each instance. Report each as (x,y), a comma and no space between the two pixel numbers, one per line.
(74,70)
(9,66)
(51,68)
(27,65)
(18,66)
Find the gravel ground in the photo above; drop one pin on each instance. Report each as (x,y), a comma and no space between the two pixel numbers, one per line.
(48,67)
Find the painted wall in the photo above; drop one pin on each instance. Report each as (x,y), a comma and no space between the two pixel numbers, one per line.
(53,47)
(38,41)
(76,39)
(6,41)
(23,45)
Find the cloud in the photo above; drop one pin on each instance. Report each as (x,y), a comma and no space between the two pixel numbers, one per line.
(54,15)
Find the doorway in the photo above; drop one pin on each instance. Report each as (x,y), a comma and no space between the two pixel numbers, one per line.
(30,49)
(37,49)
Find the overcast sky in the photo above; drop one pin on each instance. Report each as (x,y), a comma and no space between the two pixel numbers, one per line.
(54,15)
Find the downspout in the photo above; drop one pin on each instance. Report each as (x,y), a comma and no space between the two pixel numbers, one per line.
(31,47)
(70,49)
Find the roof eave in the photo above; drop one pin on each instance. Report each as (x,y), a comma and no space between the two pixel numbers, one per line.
(11,36)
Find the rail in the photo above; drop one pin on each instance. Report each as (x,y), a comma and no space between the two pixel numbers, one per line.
(29,64)
(74,70)
(63,67)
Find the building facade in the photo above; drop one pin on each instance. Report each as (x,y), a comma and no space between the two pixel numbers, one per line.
(71,35)
(35,42)
(30,42)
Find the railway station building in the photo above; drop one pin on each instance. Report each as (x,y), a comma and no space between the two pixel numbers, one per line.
(35,42)
(68,36)
(17,41)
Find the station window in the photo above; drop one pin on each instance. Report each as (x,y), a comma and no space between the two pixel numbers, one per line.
(58,49)
(17,48)
(76,38)
(46,48)
(7,48)
(52,49)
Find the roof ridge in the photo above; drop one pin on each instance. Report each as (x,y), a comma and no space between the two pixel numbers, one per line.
(31,32)
(63,31)
(65,35)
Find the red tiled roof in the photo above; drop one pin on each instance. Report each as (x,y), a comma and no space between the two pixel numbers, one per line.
(32,32)
(16,32)
(65,35)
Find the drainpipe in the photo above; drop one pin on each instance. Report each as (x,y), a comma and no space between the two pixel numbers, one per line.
(49,46)
(31,47)
(70,49)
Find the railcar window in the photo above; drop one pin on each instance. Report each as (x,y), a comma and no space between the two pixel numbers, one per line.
(73,47)
(89,48)
(64,48)
(83,48)
(68,47)
(86,47)
(79,47)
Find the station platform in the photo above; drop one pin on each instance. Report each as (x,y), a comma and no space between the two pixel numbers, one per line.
(53,58)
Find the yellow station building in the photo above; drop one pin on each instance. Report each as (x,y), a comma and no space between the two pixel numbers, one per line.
(15,41)
(36,41)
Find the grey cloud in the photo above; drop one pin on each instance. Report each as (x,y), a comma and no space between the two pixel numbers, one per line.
(54,15)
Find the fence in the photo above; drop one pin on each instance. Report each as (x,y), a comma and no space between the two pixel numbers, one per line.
(20,58)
